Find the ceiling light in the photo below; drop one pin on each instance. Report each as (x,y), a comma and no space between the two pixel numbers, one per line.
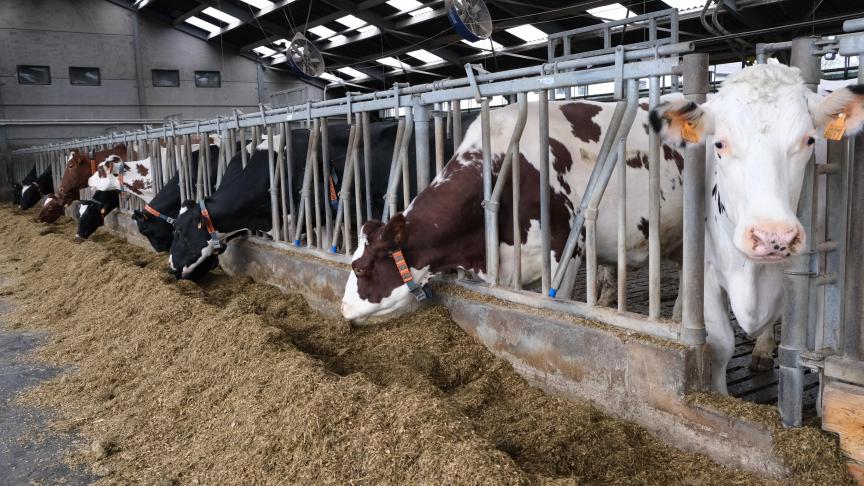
(322,31)
(259,4)
(528,33)
(203,24)
(484,44)
(351,22)
(264,51)
(220,15)
(425,56)
(351,72)
(405,5)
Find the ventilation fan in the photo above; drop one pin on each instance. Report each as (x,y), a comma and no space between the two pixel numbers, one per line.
(304,58)
(470,18)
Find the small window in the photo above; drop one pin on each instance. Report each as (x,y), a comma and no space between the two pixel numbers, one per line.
(84,76)
(34,75)
(207,79)
(166,78)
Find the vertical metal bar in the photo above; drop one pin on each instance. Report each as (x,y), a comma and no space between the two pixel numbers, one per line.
(421,144)
(187,165)
(853,318)
(403,158)
(275,229)
(325,160)
(695,71)
(545,230)
(316,191)
(516,281)
(622,225)
(284,192)
(393,176)
(244,155)
(305,193)
(490,221)
(797,274)
(358,206)
(457,124)
(439,140)
(367,166)
(836,210)
(653,207)
(289,172)
(343,216)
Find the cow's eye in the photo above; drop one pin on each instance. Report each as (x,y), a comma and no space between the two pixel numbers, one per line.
(811,141)
(719,145)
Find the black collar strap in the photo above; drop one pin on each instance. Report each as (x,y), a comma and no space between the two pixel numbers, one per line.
(158,214)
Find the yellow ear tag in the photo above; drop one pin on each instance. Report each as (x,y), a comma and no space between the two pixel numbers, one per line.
(688,133)
(837,127)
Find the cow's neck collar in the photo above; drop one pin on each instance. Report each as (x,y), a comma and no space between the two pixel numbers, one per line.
(418,291)
(157,214)
(208,224)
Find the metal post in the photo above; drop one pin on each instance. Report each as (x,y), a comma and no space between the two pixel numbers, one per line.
(244,155)
(516,281)
(393,175)
(695,70)
(316,191)
(305,192)
(490,222)
(653,207)
(284,192)
(622,225)
(797,273)
(854,264)
(289,173)
(325,160)
(275,229)
(421,144)
(367,163)
(439,139)
(355,162)
(545,230)
(457,123)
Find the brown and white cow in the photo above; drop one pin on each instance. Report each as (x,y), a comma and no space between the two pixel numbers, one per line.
(761,126)
(132,177)
(442,229)
(79,167)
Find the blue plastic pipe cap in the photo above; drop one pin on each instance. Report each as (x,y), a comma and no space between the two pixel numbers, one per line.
(552,292)
(333,249)
(296,242)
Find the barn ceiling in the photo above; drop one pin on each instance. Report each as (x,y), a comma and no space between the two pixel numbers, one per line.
(374,43)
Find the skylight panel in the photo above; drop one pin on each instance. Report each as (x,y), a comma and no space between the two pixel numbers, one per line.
(322,31)
(484,44)
(390,61)
(684,5)
(202,24)
(338,38)
(613,11)
(528,33)
(422,11)
(368,28)
(405,5)
(425,56)
(351,22)
(264,51)
(220,15)
(330,77)
(259,4)
(351,72)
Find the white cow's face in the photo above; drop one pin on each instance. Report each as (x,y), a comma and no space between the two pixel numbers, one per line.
(762,127)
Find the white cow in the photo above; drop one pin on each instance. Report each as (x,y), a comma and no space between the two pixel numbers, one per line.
(759,130)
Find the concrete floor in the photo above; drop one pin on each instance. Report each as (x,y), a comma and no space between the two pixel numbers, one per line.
(30,452)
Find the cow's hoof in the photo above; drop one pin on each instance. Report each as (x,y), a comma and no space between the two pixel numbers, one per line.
(761,364)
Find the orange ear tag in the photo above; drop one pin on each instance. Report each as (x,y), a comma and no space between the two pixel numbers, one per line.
(688,133)
(837,127)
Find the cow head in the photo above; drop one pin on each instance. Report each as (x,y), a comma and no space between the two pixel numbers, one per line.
(156,230)
(374,287)
(52,208)
(193,253)
(92,212)
(30,195)
(762,127)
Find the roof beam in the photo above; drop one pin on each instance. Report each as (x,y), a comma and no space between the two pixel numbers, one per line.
(245,17)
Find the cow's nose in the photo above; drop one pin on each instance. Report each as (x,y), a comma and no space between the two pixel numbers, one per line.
(776,239)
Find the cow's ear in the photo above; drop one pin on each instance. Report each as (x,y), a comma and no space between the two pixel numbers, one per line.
(137,215)
(395,231)
(681,122)
(839,114)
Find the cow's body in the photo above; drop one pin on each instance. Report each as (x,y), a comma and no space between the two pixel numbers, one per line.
(443,227)
(133,177)
(33,192)
(20,187)
(79,168)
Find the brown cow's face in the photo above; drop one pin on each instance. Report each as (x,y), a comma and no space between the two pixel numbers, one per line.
(374,287)
(78,170)
(52,209)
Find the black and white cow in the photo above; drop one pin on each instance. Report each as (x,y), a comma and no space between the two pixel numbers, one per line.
(33,191)
(19,187)
(92,212)
(155,222)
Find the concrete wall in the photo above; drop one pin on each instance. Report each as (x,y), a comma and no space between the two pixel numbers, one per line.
(125,46)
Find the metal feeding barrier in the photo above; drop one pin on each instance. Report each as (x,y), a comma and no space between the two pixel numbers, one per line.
(823,337)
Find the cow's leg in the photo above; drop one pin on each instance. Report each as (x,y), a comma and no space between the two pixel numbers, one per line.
(607,286)
(720,337)
(763,352)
